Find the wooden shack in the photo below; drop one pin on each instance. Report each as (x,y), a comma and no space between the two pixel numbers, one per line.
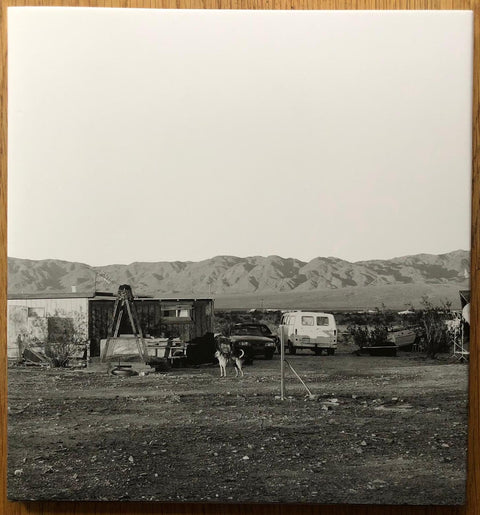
(187,319)
(36,317)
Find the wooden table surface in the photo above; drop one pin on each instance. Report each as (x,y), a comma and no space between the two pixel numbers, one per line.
(74,508)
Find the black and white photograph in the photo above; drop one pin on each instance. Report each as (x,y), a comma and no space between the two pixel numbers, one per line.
(239,255)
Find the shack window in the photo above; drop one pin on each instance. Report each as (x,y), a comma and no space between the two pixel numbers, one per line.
(177,312)
(307,320)
(36,312)
(322,320)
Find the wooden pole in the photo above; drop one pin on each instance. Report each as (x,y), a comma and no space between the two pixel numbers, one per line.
(282,366)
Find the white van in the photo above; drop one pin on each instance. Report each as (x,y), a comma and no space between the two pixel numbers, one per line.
(309,330)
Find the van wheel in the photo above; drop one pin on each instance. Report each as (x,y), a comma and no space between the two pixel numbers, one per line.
(330,352)
(291,348)
(317,352)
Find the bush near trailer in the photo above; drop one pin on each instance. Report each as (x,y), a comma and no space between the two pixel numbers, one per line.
(364,336)
(433,331)
(429,322)
(56,339)
(374,331)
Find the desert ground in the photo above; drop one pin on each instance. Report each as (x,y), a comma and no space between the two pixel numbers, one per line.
(382,430)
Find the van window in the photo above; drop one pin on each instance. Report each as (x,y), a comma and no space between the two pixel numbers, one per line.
(322,320)
(307,320)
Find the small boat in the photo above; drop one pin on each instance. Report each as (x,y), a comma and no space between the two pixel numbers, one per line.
(402,338)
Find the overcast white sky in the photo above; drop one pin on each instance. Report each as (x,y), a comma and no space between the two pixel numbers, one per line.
(150,135)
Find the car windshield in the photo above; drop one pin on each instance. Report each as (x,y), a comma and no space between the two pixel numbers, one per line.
(252,330)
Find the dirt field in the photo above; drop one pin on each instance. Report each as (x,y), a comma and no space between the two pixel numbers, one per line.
(396,433)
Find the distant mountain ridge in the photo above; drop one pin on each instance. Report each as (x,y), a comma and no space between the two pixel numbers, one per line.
(230,275)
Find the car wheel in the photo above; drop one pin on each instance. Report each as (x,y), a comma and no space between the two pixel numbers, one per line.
(277,346)
(330,352)
(291,349)
(317,352)
(269,354)
(248,357)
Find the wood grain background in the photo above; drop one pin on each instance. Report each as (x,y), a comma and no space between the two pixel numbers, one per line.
(104,508)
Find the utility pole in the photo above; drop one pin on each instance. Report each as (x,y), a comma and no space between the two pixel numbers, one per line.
(282,366)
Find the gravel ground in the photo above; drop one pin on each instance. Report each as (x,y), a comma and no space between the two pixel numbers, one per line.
(381,430)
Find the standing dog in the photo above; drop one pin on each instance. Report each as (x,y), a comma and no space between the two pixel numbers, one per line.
(226,353)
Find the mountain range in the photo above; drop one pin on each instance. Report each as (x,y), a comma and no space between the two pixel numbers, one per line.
(256,278)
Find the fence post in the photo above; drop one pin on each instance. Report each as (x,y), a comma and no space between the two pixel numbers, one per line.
(282,366)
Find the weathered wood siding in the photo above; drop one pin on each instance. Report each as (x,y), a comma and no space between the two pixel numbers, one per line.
(152,319)
(28,320)
(203,316)
(100,314)
(149,314)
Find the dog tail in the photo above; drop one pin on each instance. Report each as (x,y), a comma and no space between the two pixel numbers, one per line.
(242,353)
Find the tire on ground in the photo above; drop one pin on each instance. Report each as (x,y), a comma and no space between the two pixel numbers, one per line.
(291,349)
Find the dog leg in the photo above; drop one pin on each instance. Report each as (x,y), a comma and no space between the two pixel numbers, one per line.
(238,368)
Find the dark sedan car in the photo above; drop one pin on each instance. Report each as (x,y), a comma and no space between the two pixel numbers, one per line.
(254,340)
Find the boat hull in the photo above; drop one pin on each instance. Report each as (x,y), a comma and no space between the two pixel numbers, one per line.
(403,338)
